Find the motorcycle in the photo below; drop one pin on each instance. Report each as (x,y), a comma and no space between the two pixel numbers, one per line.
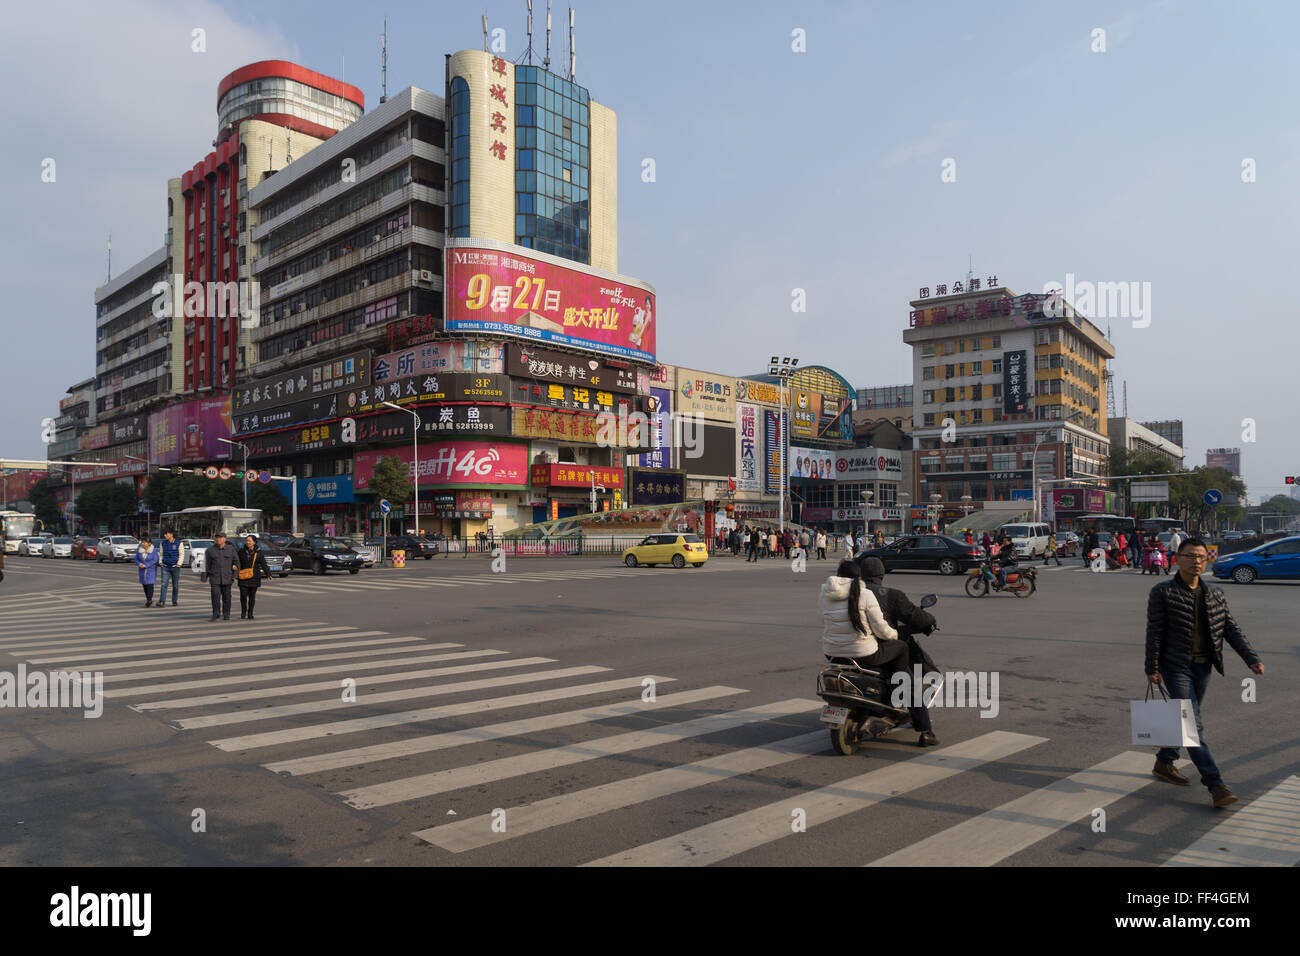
(857,698)
(1021,582)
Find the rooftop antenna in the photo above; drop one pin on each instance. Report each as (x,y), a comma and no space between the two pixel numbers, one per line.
(383,64)
(110,256)
(546,63)
(573,55)
(529,31)
(1126,398)
(288,146)
(485,49)
(343,66)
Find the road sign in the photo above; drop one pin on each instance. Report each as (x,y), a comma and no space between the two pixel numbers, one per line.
(225,474)
(250,476)
(178,471)
(1150,491)
(210,471)
(384,506)
(1213,496)
(264,477)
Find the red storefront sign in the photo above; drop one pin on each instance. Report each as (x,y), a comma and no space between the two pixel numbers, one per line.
(574,476)
(453,463)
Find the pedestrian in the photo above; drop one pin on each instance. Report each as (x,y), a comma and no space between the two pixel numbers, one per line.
(805,541)
(787,542)
(879,540)
(849,550)
(1090,543)
(219,571)
(986,543)
(753,545)
(1176,541)
(773,546)
(172,558)
(970,538)
(252,569)
(821,544)
(1135,549)
(146,559)
(1187,623)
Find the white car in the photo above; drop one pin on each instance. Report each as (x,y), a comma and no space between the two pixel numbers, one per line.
(33,546)
(367,553)
(59,548)
(194,548)
(117,547)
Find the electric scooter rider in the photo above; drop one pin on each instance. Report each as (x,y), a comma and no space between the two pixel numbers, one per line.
(854,626)
(1006,561)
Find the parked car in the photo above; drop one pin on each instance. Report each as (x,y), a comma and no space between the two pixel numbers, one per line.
(927,552)
(1067,544)
(34,546)
(59,548)
(414,547)
(369,554)
(319,555)
(1232,536)
(117,547)
(1274,560)
(86,548)
(674,548)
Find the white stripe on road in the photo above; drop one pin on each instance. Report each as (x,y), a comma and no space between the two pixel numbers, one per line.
(1265,832)
(410,647)
(289,710)
(457,778)
(380,721)
(75,645)
(117,665)
(306,672)
(475,832)
(67,653)
(333,685)
(993,836)
(513,728)
(746,831)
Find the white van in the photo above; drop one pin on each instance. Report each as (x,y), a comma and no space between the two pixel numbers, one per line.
(1029,538)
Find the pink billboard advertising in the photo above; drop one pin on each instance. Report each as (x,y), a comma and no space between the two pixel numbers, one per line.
(504,293)
(188,432)
(452,463)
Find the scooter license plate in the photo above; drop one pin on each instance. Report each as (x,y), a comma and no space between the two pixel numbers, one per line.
(835,715)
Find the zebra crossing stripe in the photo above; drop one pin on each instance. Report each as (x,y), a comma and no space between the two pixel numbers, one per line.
(766,824)
(333,685)
(380,721)
(1264,832)
(475,832)
(118,665)
(165,647)
(410,646)
(1006,830)
(72,645)
(513,728)
(340,668)
(457,778)
(337,703)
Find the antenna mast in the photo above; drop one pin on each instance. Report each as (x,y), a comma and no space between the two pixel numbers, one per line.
(546,63)
(573,54)
(110,256)
(383,64)
(485,49)
(529,31)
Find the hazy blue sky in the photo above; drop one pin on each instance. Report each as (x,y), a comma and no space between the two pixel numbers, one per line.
(775,170)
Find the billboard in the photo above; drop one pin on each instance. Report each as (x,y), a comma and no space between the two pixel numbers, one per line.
(811,463)
(747,447)
(574,476)
(764,393)
(320,378)
(525,361)
(1015,383)
(510,293)
(714,454)
(1227,458)
(772,436)
(436,357)
(188,432)
(869,464)
(805,413)
(660,418)
(655,487)
(454,462)
(706,395)
(96,437)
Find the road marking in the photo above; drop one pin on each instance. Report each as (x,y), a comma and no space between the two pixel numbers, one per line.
(339,668)
(336,703)
(1006,830)
(475,832)
(512,728)
(67,653)
(1264,832)
(73,645)
(457,778)
(333,685)
(745,831)
(410,648)
(380,721)
(116,665)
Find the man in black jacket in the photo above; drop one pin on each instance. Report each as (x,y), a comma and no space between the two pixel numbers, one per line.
(219,563)
(1187,623)
(907,619)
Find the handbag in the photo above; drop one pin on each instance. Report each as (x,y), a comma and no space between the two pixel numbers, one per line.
(1164,722)
(245,574)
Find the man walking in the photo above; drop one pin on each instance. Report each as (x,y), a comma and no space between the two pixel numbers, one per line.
(1187,623)
(1049,552)
(173,559)
(753,546)
(219,571)
(821,544)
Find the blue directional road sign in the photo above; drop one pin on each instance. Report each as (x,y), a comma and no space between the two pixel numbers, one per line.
(384,506)
(1213,496)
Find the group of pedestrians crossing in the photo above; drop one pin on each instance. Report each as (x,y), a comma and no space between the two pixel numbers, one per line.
(224,566)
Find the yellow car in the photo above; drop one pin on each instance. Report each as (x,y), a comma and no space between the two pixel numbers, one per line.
(676,549)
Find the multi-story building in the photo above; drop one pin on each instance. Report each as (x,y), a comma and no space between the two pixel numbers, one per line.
(996,378)
(133,347)
(884,398)
(1171,430)
(76,415)
(1126,433)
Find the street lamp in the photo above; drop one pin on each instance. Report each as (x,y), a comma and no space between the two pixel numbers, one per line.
(244,447)
(782,366)
(415,443)
(966,506)
(934,509)
(591,473)
(1037,512)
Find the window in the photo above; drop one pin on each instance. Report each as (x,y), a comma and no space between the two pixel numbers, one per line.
(927,420)
(949,371)
(954,463)
(930,466)
(949,395)
(997,366)
(974,345)
(997,341)
(977,368)
(1004,462)
(927,373)
(927,350)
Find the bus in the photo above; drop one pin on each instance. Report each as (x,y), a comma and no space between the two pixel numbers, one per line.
(206,522)
(1104,523)
(1161,525)
(18,526)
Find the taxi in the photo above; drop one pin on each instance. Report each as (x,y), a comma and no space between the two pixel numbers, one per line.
(676,548)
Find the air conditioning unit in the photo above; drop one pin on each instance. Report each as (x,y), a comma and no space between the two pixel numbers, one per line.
(364,283)
(426,275)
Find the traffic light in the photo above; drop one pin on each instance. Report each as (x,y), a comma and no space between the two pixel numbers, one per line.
(1291,479)
(178,471)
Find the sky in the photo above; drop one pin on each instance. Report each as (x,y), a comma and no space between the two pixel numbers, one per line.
(902,143)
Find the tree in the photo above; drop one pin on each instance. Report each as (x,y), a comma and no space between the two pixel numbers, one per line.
(43,504)
(392,481)
(269,499)
(104,504)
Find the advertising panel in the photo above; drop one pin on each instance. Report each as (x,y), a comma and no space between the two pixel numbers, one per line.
(553,425)
(525,361)
(836,419)
(320,378)
(805,413)
(574,476)
(435,422)
(517,295)
(456,462)
(708,396)
(772,437)
(869,464)
(121,469)
(96,437)
(1094,501)
(647,486)
(450,387)
(1015,383)
(811,463)
(336,489)
(714,453)
(437,357)
(134,428)
(747,444)
(188,432)
(575,397)
(660,420)
(290,415)
(83,396)
(763,393)
(1226,458)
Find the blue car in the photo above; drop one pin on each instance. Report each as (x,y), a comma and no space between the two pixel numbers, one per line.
(1275,560)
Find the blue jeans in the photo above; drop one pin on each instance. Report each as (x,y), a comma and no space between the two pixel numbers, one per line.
(174,576)
(1190,685)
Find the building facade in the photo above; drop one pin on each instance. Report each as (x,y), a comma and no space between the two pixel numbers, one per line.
(1126,433)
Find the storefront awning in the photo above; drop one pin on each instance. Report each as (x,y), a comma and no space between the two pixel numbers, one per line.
(978,521)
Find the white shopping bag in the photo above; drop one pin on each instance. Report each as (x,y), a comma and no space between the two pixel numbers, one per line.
(1163,723)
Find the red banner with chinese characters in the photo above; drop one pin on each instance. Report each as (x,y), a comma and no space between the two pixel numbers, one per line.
(574,476)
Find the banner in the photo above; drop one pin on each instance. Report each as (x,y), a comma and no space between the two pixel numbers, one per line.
(647,486)
(515,294)
(811,463)
(189,432)
(576,397)
(96,437)
(457,462)
(869,464)
(1015,383)
(450,387)
(747,447)
(706,395)
(660,420)
(347,371)
(805,413)
(525,361)
(772,437)
(438,357)
(763,393)
(574,476)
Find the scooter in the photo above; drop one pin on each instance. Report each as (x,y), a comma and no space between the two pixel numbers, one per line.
(857,698)
(1022,582)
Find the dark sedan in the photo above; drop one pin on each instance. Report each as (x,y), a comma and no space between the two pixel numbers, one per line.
(319,555)
(413,546)
(926,552)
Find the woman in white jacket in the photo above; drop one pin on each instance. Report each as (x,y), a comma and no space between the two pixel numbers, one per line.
(854,626)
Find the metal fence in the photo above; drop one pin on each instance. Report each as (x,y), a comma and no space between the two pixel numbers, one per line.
(567,546)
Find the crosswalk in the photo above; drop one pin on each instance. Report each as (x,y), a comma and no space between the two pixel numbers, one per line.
(437,723)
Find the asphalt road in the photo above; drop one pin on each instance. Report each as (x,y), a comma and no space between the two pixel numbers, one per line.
(500,719)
